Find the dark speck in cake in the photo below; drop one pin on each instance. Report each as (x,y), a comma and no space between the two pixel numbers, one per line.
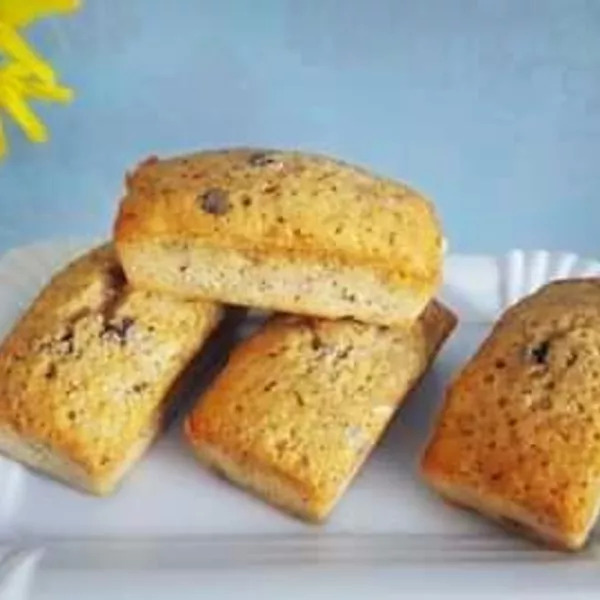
(117,330)
(539,353)
(214,201)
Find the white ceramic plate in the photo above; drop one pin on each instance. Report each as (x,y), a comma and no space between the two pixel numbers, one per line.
(175,530)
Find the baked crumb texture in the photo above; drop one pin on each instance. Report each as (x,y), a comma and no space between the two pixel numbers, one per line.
(85,374)
(279,230)
(301,404)
(519,435)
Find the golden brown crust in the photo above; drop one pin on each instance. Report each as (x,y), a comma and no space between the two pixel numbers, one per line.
(85,372)
(302,403)
(519,435)
(282,209)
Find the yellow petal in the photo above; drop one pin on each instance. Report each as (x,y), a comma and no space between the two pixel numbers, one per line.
(18,49)
(18,77)
(2,141)
(14,71)
(17,108)
(49,92)
(9,80)
(22,12)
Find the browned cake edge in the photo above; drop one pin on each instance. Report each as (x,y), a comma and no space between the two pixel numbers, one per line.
(48,461)
(509,515)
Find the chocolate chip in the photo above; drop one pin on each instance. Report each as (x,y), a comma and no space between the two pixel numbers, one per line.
(540,352)
(270,386)
(67,336)
(67,342)
(261,159)
(316,343)
(214,201)
(140,387)
(116,277)
(117,330)
(50,371)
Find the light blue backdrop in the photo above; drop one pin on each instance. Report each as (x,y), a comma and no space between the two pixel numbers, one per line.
(491,107)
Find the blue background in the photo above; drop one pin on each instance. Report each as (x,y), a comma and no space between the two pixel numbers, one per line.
(490,107)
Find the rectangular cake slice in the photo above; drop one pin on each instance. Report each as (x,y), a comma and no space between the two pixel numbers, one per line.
(284,231)
(518,438)
(302,403)
(85,374)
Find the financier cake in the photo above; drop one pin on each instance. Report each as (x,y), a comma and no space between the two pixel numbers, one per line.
(301,404)
(85,373)
(519,435)
(286,231)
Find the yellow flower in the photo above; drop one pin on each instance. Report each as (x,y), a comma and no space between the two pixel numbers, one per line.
(24,74)
(20,13)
